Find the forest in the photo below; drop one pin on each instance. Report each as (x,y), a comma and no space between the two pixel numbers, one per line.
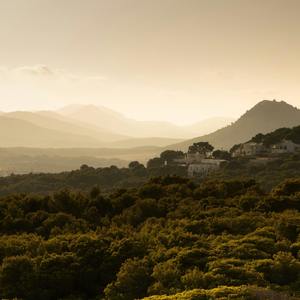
(267,174)
(168,238)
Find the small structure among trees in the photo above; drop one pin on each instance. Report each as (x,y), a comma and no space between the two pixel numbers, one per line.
(280,141)
(201,147)
(199,159)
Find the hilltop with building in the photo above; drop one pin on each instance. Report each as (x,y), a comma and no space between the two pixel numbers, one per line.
(280,141)
(201,160)
(264,117)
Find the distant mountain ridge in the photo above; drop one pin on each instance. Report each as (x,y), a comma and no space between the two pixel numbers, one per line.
(18,132)
(264,117)
(87,126)
(54,121)
(108,119)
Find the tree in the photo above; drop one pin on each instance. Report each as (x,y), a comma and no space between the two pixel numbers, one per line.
(137,168)
(57,275)
(17,278)
(201,147)
(170,155)
(285,269)
(155,162)
(193,279)
(235,148)
(167,277)
(221,154)
(95,192)
(135,165)
(132,281)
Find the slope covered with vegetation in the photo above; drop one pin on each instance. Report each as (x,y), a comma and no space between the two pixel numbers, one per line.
(274,137)
(170,236)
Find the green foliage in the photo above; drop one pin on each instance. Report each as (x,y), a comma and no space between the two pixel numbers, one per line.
(155,162)
(221,154)
(86,178)
(170,155)
(217,293)
(292,134)
(132,281)
(201,147)
(170,236)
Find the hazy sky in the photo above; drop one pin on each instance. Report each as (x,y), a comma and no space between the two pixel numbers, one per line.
(176,60)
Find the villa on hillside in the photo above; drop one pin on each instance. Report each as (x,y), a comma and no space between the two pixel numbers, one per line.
(285,146)
(204,167)
(199,164)
(190,158)
(249,149)
(252,149)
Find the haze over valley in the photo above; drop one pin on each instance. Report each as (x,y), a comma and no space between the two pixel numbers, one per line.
(65,139)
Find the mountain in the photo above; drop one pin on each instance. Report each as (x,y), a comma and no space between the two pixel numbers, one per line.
(55,121)
(105,118)
(21,133)
(110,120)
(90,126)
(209,125)
(264,117)
(97,136)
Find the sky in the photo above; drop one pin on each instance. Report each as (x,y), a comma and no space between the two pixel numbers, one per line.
(173,60)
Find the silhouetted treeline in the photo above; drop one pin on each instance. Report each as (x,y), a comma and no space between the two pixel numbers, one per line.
(267,172)
(85,178)
(291,134)
(169,236)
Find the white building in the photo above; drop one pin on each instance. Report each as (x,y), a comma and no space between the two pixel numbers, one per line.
(249,149)
(190,158)
(285,146)
(204,167)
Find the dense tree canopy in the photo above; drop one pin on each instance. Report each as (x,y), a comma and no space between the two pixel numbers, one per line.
(170,155)
(170,236)
(201,147)
(292,134)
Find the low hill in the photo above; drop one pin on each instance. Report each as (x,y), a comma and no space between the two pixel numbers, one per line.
(55,121)
(105,118)
(108,119)
(21,133)
(65,125)
(264,117)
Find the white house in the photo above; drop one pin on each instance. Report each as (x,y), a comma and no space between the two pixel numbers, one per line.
(194,157)
(190,158)
(249,149)
(285,146)
(204,167)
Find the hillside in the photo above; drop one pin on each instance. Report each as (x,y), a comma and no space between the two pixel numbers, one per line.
(209,125)
(66,125)
(17,133)
(54,121)
(86,126)
(264,117)
(110,120)
(106,118)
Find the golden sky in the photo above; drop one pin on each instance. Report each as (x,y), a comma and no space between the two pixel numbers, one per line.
(173,60)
